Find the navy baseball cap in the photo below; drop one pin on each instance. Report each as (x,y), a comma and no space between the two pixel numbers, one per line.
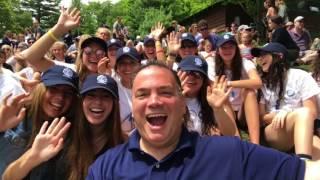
(100,81)
(128,51)
(226,38)
(194,63)
(60,75)
(188,37)
(148,39)
(95,40)
(114,42)
(272,48)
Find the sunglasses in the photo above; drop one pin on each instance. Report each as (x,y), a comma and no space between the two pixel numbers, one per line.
(184,46)
(195,74)
(203,29)
(89,52)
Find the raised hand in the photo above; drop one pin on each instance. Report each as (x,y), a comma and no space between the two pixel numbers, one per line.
(183,79)
(174,42)
(104,66)
(49,141)
(29,85)
(157,30)
(69,19)
(218,93)
(12,111)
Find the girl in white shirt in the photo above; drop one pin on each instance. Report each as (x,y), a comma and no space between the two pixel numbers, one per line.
(288,103)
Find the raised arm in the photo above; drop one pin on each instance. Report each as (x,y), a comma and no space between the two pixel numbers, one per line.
(12,111)
(217,96)
(254,81)
(45,146)
(156,32)
(68,20)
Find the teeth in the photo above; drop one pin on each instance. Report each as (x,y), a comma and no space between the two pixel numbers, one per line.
(56,105)
(155,115)
(96,110)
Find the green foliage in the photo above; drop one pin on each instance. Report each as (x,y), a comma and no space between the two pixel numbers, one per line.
(45,11)
(12,17)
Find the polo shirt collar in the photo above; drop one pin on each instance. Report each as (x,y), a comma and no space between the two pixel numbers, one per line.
(187,141)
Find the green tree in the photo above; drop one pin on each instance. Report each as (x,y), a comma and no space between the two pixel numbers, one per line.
(45,11)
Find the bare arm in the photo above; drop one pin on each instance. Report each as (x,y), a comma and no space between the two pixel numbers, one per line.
(217,96)
(254,81)
(311,104)
(35,54)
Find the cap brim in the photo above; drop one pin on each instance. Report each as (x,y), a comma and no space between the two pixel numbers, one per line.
(129,55)
(226,41)
(59,82)
(95,40)
(83,91)
(190,40)
(189,68)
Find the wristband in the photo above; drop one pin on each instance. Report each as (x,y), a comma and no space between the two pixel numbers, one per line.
(228,83)
(52,35)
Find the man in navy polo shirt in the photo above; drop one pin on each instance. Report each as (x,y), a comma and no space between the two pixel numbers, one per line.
(162,148)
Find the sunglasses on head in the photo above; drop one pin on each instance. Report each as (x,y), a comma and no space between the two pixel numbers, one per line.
(89,52)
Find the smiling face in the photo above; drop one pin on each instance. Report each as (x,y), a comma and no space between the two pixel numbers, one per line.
(126,68)
(158,107)
(194,81)
(57,100)
(91,56)
(227,52)
(265,61)
(97,106)
(187,48)
(150,50)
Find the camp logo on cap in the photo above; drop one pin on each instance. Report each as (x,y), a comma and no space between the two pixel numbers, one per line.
(226,36)
(197,62)
(184,35)
(113,40)
(101,79)
(126,49)
(67,73)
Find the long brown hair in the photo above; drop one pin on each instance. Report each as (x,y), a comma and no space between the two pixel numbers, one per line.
(36,113)
(236,65)
(80,154)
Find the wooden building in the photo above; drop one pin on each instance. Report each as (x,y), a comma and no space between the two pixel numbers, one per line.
(220,16)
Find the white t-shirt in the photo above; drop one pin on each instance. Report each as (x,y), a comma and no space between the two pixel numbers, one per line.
(28,72)
(194,110)
(60,63)
(125,102)
(9,83)
(235,96)
(299,87)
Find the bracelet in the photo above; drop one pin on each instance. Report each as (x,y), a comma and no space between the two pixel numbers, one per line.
(228,83)
(52,35)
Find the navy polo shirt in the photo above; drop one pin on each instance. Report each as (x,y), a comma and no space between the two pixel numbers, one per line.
(197,158)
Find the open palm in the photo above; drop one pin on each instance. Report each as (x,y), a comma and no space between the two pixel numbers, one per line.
(49,141)
(69,19)
(12,111)
(218,93)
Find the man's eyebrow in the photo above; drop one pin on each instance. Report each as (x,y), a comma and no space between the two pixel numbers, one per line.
(160,88)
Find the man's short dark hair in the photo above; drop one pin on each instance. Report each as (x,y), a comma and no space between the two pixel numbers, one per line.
(276,19)
(202,23)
